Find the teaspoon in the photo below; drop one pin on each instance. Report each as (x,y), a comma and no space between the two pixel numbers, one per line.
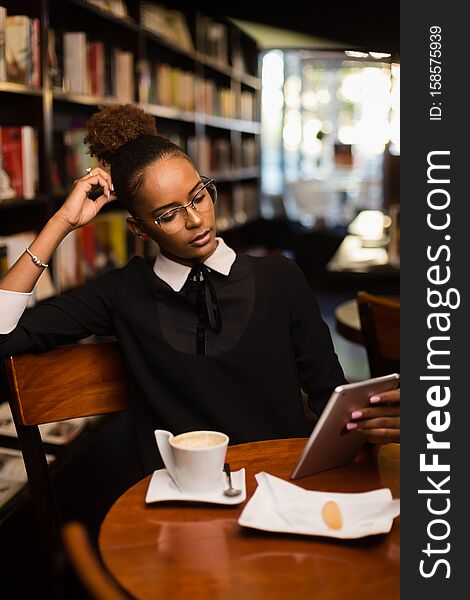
(230,491)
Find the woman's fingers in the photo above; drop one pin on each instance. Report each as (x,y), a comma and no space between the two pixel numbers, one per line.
(380,430)
(390,397)
(376,411)
(87,183)
(380,420)
(102,200)
(97,171)
(378,423)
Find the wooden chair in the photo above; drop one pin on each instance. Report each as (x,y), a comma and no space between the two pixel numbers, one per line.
(380,327)
(68,382)
(86,564)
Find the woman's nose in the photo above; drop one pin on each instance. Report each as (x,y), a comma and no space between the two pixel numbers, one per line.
(193,217)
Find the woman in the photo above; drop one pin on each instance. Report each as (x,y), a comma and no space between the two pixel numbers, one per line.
(211,339)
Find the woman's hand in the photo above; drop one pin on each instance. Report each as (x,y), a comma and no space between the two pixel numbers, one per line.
(78,209)
(381,420)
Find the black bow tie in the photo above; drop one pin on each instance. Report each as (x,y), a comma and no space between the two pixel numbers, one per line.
(200,282)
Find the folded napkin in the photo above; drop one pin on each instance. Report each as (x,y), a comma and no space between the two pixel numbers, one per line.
(278,505)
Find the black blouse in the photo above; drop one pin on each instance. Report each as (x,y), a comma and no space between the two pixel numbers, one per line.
(243,378)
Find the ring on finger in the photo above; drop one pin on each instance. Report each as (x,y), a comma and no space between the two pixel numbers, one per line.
(90,171)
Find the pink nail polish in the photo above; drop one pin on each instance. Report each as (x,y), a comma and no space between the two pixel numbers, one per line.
(374,399)
(356,414)
(351,426)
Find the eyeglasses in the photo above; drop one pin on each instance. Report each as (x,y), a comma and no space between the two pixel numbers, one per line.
(174,219)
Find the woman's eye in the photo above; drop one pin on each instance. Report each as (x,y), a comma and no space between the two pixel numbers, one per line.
(168,218)
(199,199)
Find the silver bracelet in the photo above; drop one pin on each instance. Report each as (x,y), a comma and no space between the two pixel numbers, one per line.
(36,260)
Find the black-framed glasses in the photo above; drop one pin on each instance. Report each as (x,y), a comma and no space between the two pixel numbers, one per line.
(174,219)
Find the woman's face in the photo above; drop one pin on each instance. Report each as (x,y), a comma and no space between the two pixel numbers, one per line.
(169,183)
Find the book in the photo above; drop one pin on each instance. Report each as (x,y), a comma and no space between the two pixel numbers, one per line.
(35,58)
(75,62)
(19,150)
(86,252)
(123,75)
(145,92)
(28,153)
(96,68)
(6,190)
(18,48)
(12,155)
(66,263)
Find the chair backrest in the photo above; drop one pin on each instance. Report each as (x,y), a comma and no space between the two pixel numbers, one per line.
(75,381)
(380,327)
(86,564)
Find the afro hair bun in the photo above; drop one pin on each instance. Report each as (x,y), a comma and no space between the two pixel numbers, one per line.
(115,125)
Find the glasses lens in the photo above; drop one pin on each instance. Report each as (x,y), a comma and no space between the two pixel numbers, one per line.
(204,200)
(173,221)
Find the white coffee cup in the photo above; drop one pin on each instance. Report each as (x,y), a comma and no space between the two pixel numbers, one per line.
(194,459)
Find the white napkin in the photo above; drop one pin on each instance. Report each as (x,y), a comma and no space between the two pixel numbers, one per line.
(278,505)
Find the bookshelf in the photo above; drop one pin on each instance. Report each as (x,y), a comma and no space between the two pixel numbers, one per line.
(218,128)
(197,74)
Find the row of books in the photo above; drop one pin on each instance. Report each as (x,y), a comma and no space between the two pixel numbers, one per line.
(100,246)
(19,164)
(20,56)
(118,8)
(237,207)
(80,65)
(166,85)
(211,155)
(221,154)
(216,100)
(170,24)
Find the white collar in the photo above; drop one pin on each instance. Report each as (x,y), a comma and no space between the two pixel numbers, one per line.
(175,274)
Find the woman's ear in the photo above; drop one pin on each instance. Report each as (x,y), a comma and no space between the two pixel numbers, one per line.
(135,227)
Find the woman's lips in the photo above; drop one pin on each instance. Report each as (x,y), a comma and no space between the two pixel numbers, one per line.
(202,241)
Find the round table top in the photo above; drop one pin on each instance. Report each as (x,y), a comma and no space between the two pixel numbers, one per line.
(180,550)
(348,323)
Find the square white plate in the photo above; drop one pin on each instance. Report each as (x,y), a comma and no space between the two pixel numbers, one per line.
(287,508)
(162,488)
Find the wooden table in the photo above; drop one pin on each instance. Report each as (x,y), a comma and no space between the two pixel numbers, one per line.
(174,550)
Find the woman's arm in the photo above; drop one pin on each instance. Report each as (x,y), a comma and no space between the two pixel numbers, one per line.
(77,210)
(72,315)
(320,371)
(317,362)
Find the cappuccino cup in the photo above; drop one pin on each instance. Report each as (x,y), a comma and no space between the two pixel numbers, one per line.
(194,459)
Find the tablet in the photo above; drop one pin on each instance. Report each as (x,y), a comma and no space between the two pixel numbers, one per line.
(330,444)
